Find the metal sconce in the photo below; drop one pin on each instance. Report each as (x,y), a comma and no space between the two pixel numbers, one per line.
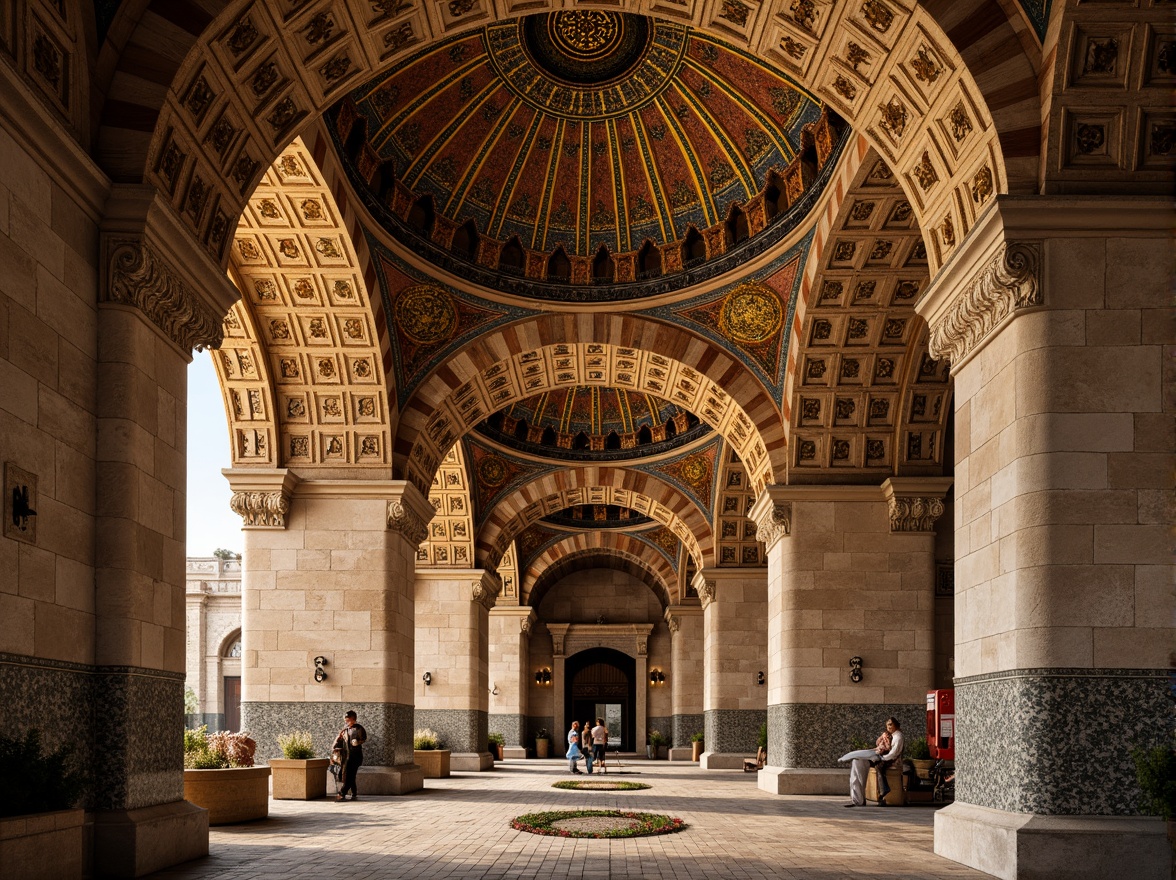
(20,494)
(320,674)
(543,677)
(427,678)
(759,678)
(855,669)
(657,677)
(494,691)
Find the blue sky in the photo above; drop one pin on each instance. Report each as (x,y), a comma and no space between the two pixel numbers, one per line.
(210,522)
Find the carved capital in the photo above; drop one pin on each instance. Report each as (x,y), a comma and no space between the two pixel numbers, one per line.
(642,645)
(914,513)
(557,643)
(261,510)
(403,519)
(484,591)
(1009,281)
(706,591)
(138,276)
(774,523)
(673,622)
(525,626)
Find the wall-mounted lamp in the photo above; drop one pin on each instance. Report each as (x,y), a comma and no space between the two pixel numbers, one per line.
(656,677)
(20,495)
(320,674)
(855,669)
(759,678)
(427,678)
(494,691)
(543,677)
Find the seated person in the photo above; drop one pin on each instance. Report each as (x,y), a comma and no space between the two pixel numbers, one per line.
(887,749)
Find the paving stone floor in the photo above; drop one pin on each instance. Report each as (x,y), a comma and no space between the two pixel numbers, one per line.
(459,828)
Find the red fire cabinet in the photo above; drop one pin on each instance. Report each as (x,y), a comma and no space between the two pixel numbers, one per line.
(941,724)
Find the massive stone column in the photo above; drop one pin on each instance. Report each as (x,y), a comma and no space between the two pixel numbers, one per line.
(510,675)
(161,298)
(452,648)
(686,676)
(851,574)
(735,665)
(328,572)
(1054,314)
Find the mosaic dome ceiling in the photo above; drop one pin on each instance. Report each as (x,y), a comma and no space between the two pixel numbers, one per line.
(593,423)
(576,146)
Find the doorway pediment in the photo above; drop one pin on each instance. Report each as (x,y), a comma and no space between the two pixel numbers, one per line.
(572,638)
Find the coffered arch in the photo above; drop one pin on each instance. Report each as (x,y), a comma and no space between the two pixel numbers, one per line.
(630,351)
(451,530)
(307,317)
(945,90)
(559,559)
(553,492)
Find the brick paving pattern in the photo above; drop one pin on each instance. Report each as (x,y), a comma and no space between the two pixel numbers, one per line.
(459,828)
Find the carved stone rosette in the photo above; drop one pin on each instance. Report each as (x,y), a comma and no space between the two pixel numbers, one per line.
(403,519)
(137,276)
(775,522)
(914,513)
(261,510)
(1011,280)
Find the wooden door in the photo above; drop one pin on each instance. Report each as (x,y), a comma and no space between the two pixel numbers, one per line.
(232,702)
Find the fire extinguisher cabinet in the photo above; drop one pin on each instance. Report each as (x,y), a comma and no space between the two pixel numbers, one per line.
(941,724)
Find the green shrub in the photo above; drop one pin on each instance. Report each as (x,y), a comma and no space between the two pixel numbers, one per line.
(918,750)
(657,739)
(857,743)
(426,740)
(297,745)
(697,737)
(497,739)
(1155,769)
(38,781)
(761,739)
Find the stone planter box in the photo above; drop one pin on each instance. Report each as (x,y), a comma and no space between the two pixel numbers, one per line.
(298,779)
(434,763)
(696,750)
(542,748)
(239,794)
(43,846)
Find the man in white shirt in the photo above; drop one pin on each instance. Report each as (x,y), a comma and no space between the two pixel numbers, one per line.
(888,749)
(599,740)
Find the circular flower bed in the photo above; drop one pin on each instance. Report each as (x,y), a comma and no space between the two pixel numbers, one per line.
(585,785)
(597,823)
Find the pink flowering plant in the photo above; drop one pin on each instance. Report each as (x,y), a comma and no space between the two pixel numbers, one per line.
(638,824)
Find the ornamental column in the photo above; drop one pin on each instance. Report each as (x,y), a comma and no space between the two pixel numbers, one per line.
(160,297)
(452,660)
(327,614)
(686,676)
(1055,313)
(851,574)
(510,675)
(735,643)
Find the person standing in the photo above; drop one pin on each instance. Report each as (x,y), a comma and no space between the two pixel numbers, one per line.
(586,745)
(574,753)
(599,741)
(351,739)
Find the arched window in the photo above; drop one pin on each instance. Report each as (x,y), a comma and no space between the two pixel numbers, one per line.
(559,267)
(693,248)
(420,216)
(649,264)
(465,241)
(233,649)
(773,202)
(736,226)
(604,270)
(511,258)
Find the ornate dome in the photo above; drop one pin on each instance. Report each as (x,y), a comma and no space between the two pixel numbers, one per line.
(584,148)
(593,423)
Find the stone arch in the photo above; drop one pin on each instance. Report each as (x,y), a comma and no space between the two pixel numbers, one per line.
(562,559)
(626,351)
(227,642)
(307,320)
(451,530)
(921,83)
(864,398)
(621,486)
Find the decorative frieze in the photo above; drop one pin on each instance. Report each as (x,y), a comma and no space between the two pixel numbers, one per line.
(137,276)
(261,510)
(1011,280)
(914,514)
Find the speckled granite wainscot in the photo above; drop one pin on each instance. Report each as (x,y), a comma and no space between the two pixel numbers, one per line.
(138,758)
(732,731)
(665,725)
(536,723)
(44,693)
(1058,741)
(685,726)
(460,730)
(512,727)
(815,735)
(388,726)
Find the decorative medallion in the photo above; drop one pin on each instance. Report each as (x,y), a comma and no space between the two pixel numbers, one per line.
(751,314)
(425,314)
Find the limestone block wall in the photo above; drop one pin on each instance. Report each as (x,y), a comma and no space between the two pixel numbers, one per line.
(1064,441)
(335,582)
(540,698)
(845,585)
(687,657)
(510,672)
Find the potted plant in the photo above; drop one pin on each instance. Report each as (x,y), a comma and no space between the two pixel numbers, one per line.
(298,775)
(220,777)
(542,743)
(657,744)
(1155,771)
(427,752)
(761,738)
(696,744)
(497,742)
(919,754)
(37,814)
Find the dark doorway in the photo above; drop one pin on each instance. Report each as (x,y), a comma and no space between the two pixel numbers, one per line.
(599,677)
(232,702)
